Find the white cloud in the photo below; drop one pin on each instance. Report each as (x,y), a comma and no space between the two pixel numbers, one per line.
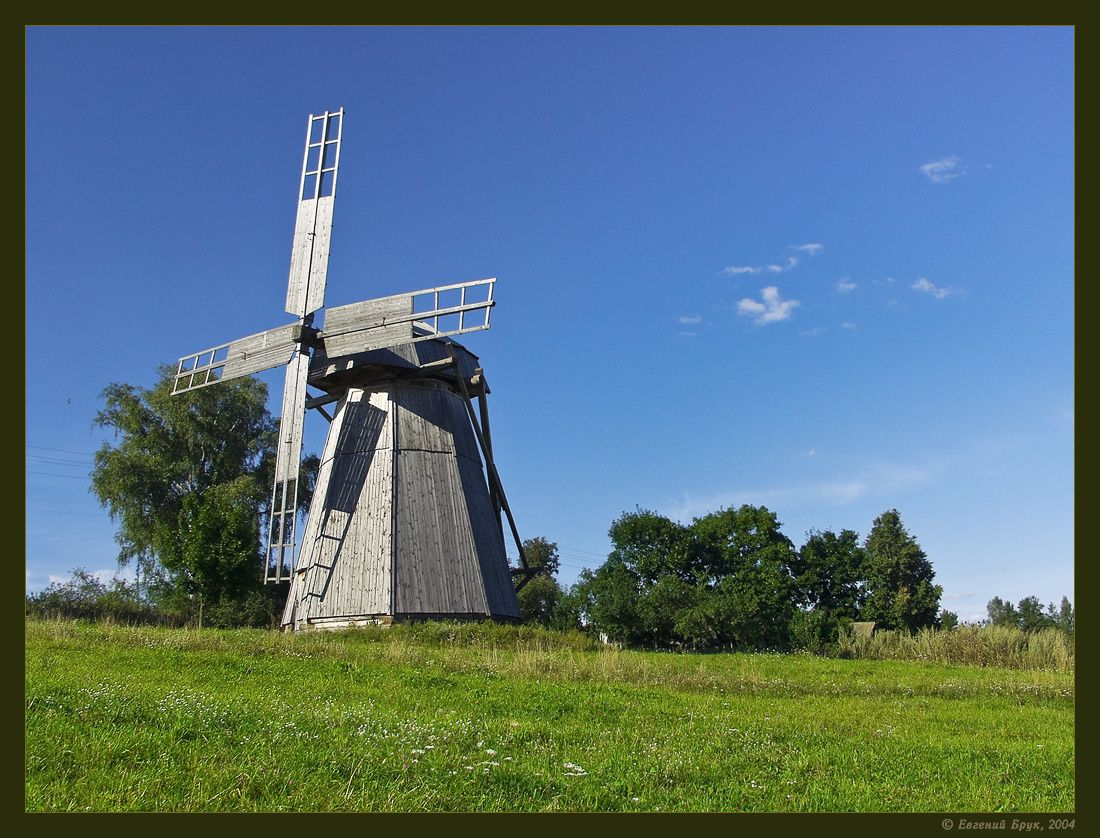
(843,286)
(848,324)
(811,249)
(926,287)
(945,170)
(815,332)
(688,334)
(771,310)
(687,319)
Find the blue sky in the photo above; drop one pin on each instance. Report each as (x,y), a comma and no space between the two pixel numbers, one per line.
(825,270)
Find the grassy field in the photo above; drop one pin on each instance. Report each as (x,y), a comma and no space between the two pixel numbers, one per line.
(457,718)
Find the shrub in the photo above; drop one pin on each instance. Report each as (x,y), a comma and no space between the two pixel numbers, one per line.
(85,597)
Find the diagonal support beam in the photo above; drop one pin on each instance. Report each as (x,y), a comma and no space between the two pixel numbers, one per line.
(494,476)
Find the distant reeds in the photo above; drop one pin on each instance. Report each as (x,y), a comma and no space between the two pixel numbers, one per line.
(1050,649)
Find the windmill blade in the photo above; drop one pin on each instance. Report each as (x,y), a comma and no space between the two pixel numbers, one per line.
(281,533)
(255,353)
(410,317)
(305,291)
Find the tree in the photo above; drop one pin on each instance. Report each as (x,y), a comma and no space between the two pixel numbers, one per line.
(828,571)
(747,565)
(1063,618)
(188,480)
(899,578)
(541,599)
(1032,617)
(948,620)
(608,597)
(722,582)
(1002,613)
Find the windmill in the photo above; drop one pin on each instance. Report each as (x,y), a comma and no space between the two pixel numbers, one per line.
(403,523)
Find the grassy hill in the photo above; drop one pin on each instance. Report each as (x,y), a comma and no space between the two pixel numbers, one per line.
(498,718)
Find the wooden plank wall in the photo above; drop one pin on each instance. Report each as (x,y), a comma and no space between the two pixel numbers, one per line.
(401,522)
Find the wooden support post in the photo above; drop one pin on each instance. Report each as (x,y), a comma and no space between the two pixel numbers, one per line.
(483,408)
(490,466)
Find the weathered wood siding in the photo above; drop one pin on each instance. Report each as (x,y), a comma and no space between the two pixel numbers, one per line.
(401,524)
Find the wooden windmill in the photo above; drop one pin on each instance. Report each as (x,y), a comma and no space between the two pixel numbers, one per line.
(403,523)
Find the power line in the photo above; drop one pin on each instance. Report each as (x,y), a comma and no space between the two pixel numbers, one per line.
(57,462)
(62,450)
(51,474)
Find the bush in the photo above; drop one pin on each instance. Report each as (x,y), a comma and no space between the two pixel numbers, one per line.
(816,632)
(258,608)
(85,597)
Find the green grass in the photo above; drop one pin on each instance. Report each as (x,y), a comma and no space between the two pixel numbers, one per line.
(491,718)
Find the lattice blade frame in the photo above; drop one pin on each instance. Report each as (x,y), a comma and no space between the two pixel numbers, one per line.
(283,519)
(247,355)
(385,321)
(305,291)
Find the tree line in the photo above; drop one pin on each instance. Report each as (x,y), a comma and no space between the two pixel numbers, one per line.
(732,580)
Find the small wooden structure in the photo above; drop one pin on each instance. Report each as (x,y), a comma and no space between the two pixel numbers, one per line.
(404,523)
(863,629)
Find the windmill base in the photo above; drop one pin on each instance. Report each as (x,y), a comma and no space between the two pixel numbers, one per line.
(385,621)
(401,526)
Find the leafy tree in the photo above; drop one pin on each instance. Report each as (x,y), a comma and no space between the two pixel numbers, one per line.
(542,599)
(188,480)
(1063,618)
(948,620)
(609,598)
(899,578)
(1002,613)
(828,571)
(723,581)
(216,529)
(1032,616)
(747,564)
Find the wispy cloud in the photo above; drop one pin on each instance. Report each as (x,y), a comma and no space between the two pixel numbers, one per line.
(685,334)
(772,309)
(811,249)
(847,324)
(688,319)
(882,479)
(925,286)
(945,170)
(960,596)
(787,264)
(843,286)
